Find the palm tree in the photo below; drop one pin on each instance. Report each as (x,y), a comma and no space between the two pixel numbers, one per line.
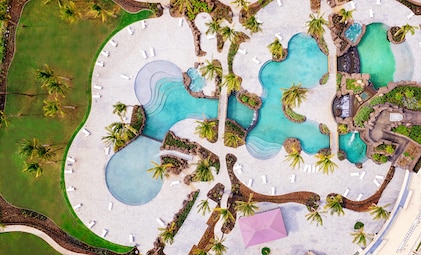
(232,81)
(315,25)
(276,49)
(241,3)
(325,162)
(120,109)
(214,26)
(167,234)
(228,33)
(55,87)
(232,140)
(293,96)
(31,167)
(253,25)
(46,75)
(183,5)
(51,108)
(247,208)
(346,15)
(198,251)
(69,12)
(44,152)
(203,171)
(210,70)
(217,246)
(204,207)
(315,216)
(206,129)
(226,215)
(379,212)
(3,119)
(124,130)
(159,171)
(360,237)
(294,158)
(28,148)
(403,30)
(334,203)
(97,11)
(113,138)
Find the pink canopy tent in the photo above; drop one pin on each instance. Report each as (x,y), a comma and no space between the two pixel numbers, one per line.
(262,227)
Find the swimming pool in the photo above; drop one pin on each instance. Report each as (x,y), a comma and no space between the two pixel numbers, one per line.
(198,82)
(239,112)
(353,32)
(353,146)
(126,175)
(305,64)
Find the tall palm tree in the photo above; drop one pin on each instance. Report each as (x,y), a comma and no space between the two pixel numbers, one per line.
(51,108)
(96,11)
(4,122)
(206,129)
(228,33)
(325,162)
(226,215)
(125,131)
(217,246)
(69,12)
(241,3)
(56,88)
(253,25)
(214,26)
(167,234)
(360,237)
(46,75)
(247,208)
(276,49)
(232,140)
(346,15)
(293,96)
(113,138)
(203,171)
(379,212)
(210,70)
(44,152)
(403,30)
(33,167)
(159,171)
(334,203)
(315,215)
(28,148)
(204,207)
(232,81)
(315,25)
(183,5)
(294,158)
(120,109)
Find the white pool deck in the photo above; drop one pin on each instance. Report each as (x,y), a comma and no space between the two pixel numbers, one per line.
(174,43)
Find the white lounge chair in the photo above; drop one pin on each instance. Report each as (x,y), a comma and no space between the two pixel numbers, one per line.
(379,2)
(131,238)
(250,183)
(70,188)
(242,51)
(126,77)
(359,197)
(86,132)
(379,177)
(264,178)
(91,224)
(273,191)
(255,60)
(180,22)
(113,43)
(76,207)
(152,51)
(210,37)
(259,21)
(175,183)
(352,3)
(160,222)
(279,3)
(105,53)
(144,54)
(355,174)
(371,13)
(71,159)
(292,178)
(97,87)
(96,96)
(104,233)
(277,35)
(68,171)
(362,175)
(410,15)
(130,30)
(99,63)
(107,150)
(376,182)
(143,24)
(346,193)
(110,206)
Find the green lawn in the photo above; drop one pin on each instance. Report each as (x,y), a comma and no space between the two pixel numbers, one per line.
(20,243)
(43,38)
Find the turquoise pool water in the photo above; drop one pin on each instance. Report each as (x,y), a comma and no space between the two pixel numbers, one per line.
(353,32)
(305,64)
(198,82)
(239,112)
(126,175)
(353,146)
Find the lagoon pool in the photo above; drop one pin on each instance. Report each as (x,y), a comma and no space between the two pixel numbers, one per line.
(198,82)
(353,146)
(305,64)
(240,113)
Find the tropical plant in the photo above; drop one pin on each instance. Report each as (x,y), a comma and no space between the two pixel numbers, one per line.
(346,16)
(183,5)
(214,26)
(159,170)
(241,3)
(360,237)
(225,215)
(120,109)
(46,75)
(228,33)
(198,251)
(334,204)
(204,207)
(379,212)
(315,215)
(28,148)
(247,208)
(276,49)
(4,122)
(206,129)
(31,167)
(217,246)
(232,82)
(325,162)
(55,88)
(51,108)
(113,138)
(210,70)
(315,25)
(293,96)
(265,251)
(44,152)
(203,171)
(253,24)
(167,234)
(232,140)
(69,12)
(294,158)
(96,11)
(403,30)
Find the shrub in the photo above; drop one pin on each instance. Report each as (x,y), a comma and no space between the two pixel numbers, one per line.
(244,98)
(351,84)
(377,100)
(296,117)
(324,79)
(362,116)
(358,225)
(343,129)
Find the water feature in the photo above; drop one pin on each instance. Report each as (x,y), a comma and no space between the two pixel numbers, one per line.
(353,146)
(305,64)
(198,81)
(240,113)
(353,32)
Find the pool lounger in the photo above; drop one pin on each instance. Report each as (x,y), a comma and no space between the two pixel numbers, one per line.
(175,183)
(144,54)
(107,150)
(97,87)
(68,171)
(100,63)
(255,60)
(250,183)
(210,37)
(91,224)
(379,2)
(152,51)
(292,178)
(371,13)
(113,43)
(96,96)
(105,53)
(71,159)
(264,178)
(104,233)
(359,197)
(86,132)
(362,175)
(160,222)
(70,188)
(242,51)
(76,207)
(355,174)
(379,177)
(279,3)
(131,238)
(126,77)
(376,182)
(180,22)
(346,193)
(130,30)
(410,15)
(143,24)
(259,21)
(277,35)
(273,191)
(110,206)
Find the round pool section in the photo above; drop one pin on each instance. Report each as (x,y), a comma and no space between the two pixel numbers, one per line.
(126,173)
(198,82)
(353,146)
(353,32)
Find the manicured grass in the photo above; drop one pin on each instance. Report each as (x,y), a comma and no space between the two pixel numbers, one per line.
(43,38)
(21,243)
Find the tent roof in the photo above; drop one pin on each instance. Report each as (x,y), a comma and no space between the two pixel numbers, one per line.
(262,227)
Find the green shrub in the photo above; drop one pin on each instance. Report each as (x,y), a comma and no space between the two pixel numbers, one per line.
(343,129)
(244,98)
(362,116)
(293,115)
(358,225)
(377,100)
(338,81)
(324,79)
(351,84)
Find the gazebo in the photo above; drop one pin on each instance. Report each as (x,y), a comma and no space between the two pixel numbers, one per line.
(262,227)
